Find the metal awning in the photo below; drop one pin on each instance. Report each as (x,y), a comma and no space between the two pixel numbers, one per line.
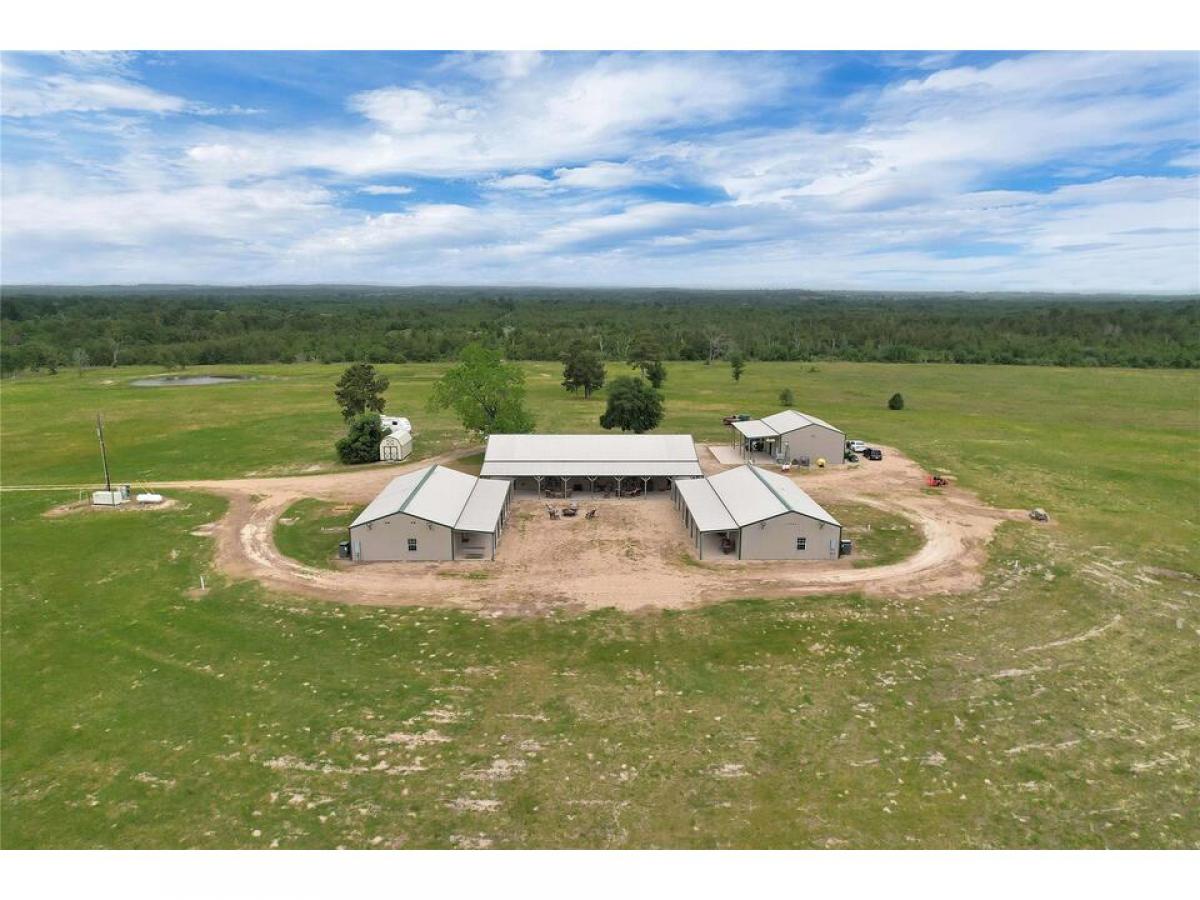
(708,512)
(755,429)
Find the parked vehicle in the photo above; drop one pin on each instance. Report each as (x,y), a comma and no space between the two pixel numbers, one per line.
(873,454)
(936,481)
(856,446)
(1039,515)
(343,550)
(851,457)
(845,548)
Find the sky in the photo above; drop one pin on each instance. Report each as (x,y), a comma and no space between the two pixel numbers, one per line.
(889,171)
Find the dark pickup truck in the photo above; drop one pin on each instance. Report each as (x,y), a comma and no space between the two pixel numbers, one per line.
(873,454)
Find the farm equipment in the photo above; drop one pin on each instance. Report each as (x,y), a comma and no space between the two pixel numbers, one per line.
(936,481)
(591,513)
(1039,515)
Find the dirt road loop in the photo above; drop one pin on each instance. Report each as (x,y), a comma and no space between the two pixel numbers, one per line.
(634,555)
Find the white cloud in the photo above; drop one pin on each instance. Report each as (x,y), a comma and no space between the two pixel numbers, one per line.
(66,93)
(563,111)
(386,190)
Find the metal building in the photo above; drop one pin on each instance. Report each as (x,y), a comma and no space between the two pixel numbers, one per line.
(612,464)
(791,437)
(396,446)
(433,513)
(755,514)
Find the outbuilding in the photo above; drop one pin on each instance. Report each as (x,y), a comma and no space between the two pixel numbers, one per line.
(432,514)
(791,437)
(396,446)
(755,514)
(615,464)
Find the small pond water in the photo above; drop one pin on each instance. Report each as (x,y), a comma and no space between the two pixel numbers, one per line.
(188,380)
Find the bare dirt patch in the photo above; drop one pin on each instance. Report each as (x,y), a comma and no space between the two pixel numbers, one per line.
(86,506)
(635,554)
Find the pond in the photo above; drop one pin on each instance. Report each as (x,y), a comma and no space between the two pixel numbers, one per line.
(188,380)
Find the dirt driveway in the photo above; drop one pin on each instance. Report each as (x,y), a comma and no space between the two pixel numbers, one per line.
(634,555)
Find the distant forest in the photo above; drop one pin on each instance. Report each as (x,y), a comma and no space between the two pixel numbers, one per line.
(44,329)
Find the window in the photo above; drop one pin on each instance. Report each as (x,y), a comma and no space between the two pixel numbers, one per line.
(800,543)
(466,538)
(412,545)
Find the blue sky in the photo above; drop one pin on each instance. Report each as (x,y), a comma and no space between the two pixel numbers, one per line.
(939,171)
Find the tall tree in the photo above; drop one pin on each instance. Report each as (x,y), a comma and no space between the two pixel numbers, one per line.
(737,364)
(582,369)
(361,443)
(633,405)
(360,390)
(646,355)
(486,393)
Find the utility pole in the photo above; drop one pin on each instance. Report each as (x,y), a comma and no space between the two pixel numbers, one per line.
(103,452)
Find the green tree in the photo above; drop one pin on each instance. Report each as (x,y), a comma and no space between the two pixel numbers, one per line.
(360,390)
(582,368)
(737,364)
(896,401)
(486,393)
(787,397)
(361,443)
(633,405)
(646,355)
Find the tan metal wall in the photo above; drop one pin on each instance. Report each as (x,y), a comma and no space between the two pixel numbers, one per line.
(387,539)
(814,442)
(776,538)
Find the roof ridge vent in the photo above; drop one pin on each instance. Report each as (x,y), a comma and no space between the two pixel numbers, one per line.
(416,490)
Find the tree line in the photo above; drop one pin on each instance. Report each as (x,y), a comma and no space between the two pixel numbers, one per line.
(48,329)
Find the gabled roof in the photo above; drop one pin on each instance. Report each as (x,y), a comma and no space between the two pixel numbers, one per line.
(790,420)
(440,495)
(509,455)
(750,495)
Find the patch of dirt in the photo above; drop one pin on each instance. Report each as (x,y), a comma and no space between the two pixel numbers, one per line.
(85,506)
(634,555)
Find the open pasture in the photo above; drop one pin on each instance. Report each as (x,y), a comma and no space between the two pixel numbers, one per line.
(1055,706)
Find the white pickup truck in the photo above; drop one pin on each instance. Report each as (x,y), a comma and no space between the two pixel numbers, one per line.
(856,446)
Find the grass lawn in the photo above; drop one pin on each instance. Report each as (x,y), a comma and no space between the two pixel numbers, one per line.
(879,537)
(310,530)
(1055,707)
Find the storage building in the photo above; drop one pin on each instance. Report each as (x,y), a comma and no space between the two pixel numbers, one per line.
(396,446)
(433,513)
(616,464)
(755,514)
(791,437)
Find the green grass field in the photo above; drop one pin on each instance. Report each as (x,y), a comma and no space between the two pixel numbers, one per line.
(1055,707)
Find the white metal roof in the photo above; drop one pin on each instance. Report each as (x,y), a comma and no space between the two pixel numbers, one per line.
(590,454)
(483,507)
(403,437)
(708,512)
(750,494)
(440,495)
(755,429)
(790,420)
(595,469)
